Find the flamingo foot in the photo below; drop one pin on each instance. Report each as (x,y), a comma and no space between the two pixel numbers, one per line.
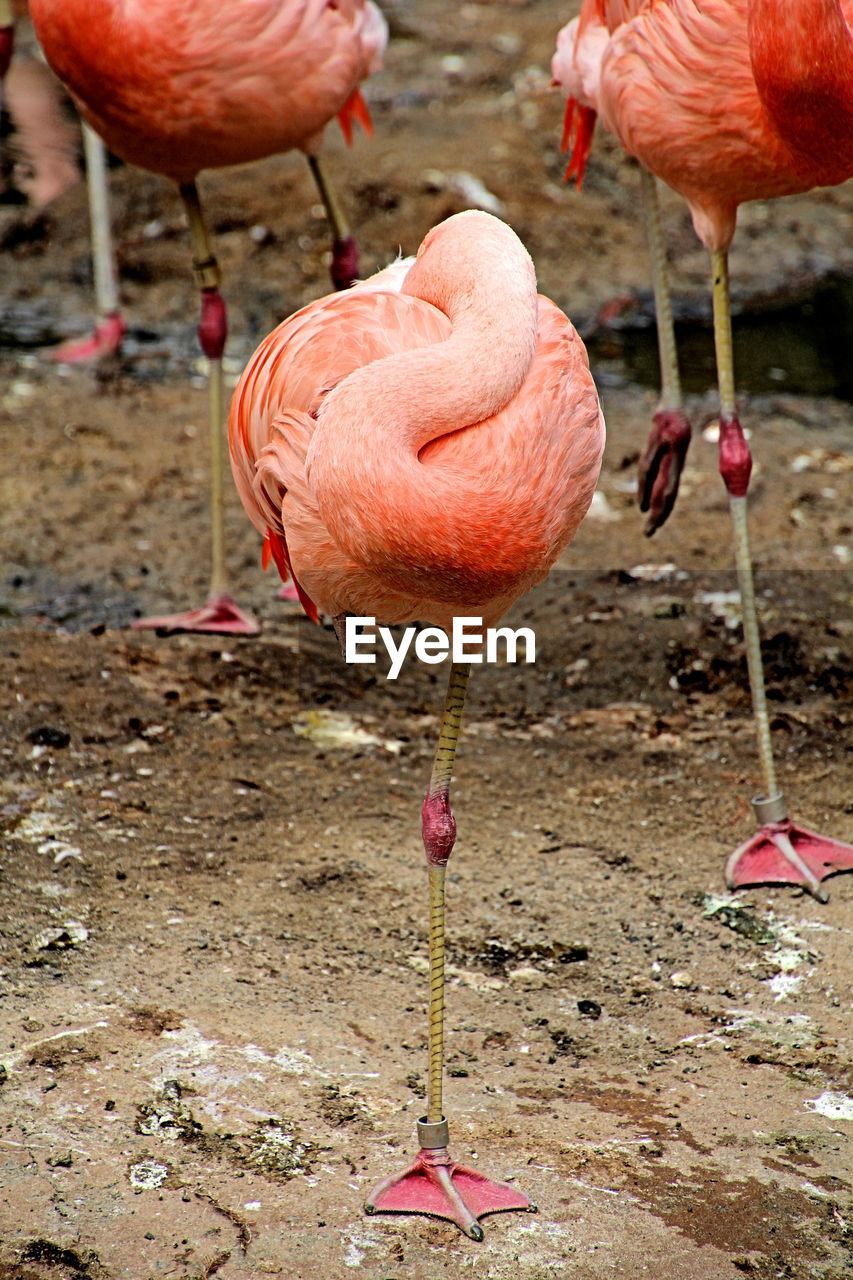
(344,267)
(781,852)
(289,591)
(435,1185)
(660,466)
(105,341)
(219,615)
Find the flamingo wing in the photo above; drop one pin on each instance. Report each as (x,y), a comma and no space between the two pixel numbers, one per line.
(272,421)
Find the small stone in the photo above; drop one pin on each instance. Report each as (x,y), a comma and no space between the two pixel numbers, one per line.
(589,1009)
(529,978)
(681,979)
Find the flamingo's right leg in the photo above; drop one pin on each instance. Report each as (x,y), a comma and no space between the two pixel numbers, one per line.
(662,460)
(434,1184)
(220,613)
(780,852)
(344,267)
(109,329)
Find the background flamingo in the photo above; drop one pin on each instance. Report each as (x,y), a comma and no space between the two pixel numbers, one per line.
(48,145)
(727,102)
(423,447)
(575,68)
(181,85)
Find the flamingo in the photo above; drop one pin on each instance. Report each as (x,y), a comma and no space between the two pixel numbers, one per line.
(423,447)
(47,141)
(575,69)
(176,86)
(728,101)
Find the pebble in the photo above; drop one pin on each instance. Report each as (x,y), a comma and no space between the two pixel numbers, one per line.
(681,979)
(529,978)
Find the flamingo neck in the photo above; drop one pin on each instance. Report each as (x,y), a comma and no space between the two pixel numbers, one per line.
(802,61)
(382,503)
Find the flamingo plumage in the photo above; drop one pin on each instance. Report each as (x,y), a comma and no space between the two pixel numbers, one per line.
(424,447)
(729,101)
(177,86)
(576,69)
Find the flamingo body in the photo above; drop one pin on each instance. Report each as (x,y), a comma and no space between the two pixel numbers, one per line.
(733,100)
(423,447)
(426,450)
(176,86)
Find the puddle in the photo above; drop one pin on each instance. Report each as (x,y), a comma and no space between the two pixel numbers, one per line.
(801,347)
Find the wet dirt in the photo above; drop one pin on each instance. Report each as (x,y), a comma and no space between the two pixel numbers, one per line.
(214,928)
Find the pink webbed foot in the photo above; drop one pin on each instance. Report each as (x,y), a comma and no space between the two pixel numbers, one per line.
(289,591)
(435,1185)
(104,341)
(220,615)
(660,466)
(781,852)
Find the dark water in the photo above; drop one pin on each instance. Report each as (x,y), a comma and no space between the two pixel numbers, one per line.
(802,348)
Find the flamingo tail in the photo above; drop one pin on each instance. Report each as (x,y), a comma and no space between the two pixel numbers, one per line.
(578,128)
(354,111)
(275,548)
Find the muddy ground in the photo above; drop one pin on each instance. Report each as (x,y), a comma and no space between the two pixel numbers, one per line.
(214,918)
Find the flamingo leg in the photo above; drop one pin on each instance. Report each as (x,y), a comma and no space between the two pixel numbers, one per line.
(434,1184)
(780,852)
(7,42)
(109,329)
(663,458)
(220,614)
(344,268)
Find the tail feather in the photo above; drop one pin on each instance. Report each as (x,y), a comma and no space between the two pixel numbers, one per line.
(578,128)
(275,548)
(354,110)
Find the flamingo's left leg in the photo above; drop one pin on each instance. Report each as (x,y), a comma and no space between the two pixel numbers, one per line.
(434,1184)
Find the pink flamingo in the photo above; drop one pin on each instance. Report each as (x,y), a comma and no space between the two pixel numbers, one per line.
(424,447)
(47,142)
(176,86)
(728,101)
(575,68)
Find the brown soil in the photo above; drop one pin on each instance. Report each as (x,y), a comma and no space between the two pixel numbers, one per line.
(214,933)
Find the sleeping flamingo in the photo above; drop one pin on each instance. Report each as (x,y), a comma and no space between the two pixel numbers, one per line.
(424,447)
(177,86)
(575,69)
(728,101)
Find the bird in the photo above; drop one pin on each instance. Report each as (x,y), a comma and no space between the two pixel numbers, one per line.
(575,70)
(49,152)
(177,86)
(423,447)
(728,101)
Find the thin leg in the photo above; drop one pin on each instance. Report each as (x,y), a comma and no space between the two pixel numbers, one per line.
(780,852)
(344,268)
(7,40)
(439,834)
(220,614)
(663,458)
(434,1184)
(109,329)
